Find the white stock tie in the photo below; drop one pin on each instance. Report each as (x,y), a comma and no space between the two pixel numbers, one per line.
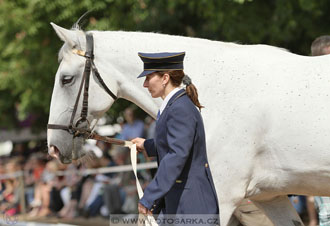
(158,115)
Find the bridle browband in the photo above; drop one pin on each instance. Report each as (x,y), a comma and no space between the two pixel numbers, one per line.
(81,127)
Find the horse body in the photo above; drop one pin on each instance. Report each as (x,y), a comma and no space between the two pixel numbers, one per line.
(266,114)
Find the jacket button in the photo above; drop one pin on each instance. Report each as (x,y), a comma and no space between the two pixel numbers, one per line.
(206,165)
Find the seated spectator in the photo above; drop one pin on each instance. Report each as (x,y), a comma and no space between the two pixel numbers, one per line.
(126,181)
(46,196)
(10,194)
(56,184)
(70,194)
(32,165)
(114,194)
(91,188)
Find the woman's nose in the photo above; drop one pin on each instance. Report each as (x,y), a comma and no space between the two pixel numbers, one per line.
(145,83)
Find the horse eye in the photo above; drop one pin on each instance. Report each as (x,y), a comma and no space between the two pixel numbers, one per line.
(67,79)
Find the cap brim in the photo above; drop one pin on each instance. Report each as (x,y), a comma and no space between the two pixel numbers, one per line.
(144,73)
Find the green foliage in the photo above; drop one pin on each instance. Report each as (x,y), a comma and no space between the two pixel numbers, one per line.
(29,46)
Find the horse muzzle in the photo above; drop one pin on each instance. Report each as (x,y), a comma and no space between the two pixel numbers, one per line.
(54,152)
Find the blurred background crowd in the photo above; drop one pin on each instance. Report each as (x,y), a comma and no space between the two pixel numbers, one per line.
(53,189)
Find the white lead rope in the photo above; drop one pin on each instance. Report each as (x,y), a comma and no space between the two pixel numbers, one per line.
(149,220)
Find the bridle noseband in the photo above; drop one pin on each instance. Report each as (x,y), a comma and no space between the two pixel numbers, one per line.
(81,127)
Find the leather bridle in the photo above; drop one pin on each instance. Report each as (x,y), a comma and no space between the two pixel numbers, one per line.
(80,128)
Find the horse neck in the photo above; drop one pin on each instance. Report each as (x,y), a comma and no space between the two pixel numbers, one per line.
(116,57)
(118,52)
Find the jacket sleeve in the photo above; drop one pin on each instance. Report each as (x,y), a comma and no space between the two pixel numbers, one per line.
(150,147)
(180,137)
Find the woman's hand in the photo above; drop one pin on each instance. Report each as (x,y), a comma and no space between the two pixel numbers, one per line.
(143,210)
(139,143)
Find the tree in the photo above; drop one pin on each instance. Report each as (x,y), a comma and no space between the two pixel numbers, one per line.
(29,46)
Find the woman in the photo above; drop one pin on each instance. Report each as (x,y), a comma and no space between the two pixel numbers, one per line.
(183,179)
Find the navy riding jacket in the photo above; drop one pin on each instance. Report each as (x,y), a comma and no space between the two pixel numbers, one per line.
(183,178)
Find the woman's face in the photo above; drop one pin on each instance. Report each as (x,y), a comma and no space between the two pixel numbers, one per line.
(155,84)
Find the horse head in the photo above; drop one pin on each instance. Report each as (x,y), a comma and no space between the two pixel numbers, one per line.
(66,109)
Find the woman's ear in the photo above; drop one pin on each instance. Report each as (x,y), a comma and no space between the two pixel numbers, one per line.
(166,78)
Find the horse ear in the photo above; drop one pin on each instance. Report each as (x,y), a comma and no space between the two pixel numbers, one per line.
(67,36)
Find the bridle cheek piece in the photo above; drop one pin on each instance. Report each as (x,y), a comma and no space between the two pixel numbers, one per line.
(81,128)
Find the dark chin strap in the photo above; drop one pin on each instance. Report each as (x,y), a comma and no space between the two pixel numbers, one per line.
(81,126)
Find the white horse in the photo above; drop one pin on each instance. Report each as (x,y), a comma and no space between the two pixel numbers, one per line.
(266,115)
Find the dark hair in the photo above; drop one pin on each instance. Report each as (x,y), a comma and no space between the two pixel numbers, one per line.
(319,44)
(177,77)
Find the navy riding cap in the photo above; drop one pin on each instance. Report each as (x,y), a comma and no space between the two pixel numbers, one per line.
(161,62)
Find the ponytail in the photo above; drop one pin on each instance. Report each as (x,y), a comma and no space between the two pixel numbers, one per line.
(191,91)
(177,77)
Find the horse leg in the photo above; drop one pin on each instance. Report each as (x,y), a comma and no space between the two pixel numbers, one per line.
(280,211)
(226,212)
(227,205)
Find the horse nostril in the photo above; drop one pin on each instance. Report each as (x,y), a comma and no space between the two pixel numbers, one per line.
(54,152)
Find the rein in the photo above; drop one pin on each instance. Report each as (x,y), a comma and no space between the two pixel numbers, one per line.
(81,128)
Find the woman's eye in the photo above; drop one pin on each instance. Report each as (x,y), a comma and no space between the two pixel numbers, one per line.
(67,80)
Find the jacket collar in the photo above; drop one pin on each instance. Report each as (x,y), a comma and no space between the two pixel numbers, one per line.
(167,99)
(171,101)
(173,98)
